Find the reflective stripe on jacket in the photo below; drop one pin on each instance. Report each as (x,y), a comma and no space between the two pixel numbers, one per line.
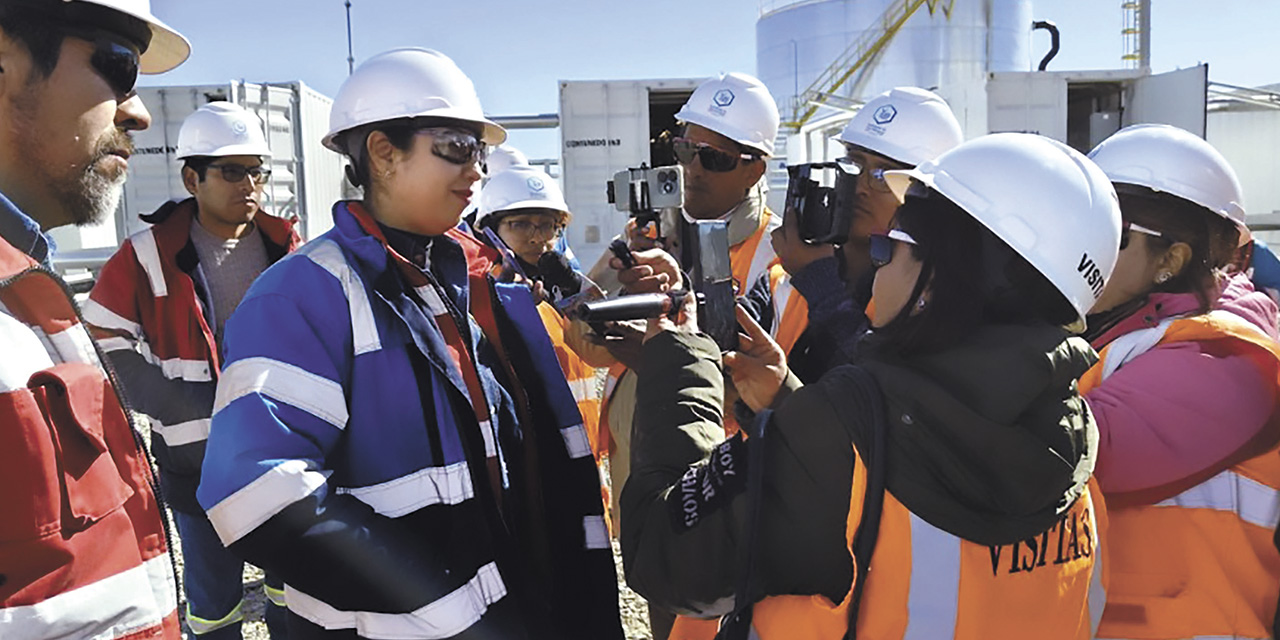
(1201,563)
(83,552)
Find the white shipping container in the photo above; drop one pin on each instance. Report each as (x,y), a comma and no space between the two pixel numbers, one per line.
(306,178)
(607,126)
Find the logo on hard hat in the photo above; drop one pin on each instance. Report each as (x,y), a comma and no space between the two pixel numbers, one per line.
(723,98)
(535,184)
(239,128)
(884,115)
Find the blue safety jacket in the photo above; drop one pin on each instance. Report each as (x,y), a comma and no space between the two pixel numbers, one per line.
(345,454)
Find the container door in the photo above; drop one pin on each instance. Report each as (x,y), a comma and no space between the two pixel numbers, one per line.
(1177,98)
(1027,102)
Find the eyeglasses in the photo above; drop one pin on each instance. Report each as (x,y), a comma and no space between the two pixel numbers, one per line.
(455,146)
(712,159)
(234,173)
(114,61)
(882,245)
(1129,226)
(528,228)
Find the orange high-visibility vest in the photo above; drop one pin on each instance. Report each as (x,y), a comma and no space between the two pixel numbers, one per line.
(790,309)
(1202,563)
(582,382)
(925,583)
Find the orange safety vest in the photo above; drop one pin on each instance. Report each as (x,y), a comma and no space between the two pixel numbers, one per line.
(925,583)
(1202,563)
(790,309)
(582,382)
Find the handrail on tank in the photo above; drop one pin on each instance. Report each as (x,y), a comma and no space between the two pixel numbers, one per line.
(862,51)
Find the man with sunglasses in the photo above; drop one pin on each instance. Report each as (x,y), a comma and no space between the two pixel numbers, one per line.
(83,544)
(813,300)
(158,311)
(729,126)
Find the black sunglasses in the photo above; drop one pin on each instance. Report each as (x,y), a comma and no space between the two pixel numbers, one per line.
(116,62)
(455,146)
(881,249)
(712,159)
(233,173)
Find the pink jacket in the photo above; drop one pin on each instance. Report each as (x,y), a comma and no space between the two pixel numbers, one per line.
(1179,410)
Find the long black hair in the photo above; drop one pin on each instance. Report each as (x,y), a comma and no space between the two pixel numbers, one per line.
(973,278)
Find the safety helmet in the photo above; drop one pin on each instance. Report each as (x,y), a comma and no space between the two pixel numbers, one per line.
(1047,201)
(162,48)
(736,106)
(503,157)
(520,187)
(906,124)
(222,129)
(1170,160)
(407,83)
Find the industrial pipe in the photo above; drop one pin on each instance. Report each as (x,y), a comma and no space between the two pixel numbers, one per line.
(1054,40)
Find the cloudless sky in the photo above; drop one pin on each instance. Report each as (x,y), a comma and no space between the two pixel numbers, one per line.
(516,51)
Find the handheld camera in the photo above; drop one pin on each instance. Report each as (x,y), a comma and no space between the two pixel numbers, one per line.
(644,192)
(823,196)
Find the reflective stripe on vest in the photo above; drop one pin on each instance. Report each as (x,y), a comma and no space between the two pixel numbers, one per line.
(926,583)
(1212,570)
(790,309)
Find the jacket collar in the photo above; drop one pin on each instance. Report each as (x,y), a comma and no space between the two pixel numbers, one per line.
(172,228)
(23,233)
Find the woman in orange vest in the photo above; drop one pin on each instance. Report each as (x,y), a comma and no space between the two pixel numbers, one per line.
(939,486)
(525,208)
(1185,399)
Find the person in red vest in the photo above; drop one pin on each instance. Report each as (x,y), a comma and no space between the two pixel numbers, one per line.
(1185,395)
(159,309)
(84,550)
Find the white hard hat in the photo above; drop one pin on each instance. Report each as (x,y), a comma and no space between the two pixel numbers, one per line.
(906,124)
(167,48)
(736,106)
(407,83)
(1167,159)
(222,129)
(503,157)
(1047,201)
(520,187)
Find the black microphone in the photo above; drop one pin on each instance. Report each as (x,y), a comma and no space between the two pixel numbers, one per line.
(557,274)
(632,307)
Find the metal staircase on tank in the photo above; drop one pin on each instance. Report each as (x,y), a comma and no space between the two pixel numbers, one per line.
(1137,34)
(853,67)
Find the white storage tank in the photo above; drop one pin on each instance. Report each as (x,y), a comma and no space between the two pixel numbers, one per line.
(945,43)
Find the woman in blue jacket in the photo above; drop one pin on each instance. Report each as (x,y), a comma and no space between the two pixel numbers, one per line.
(388,435)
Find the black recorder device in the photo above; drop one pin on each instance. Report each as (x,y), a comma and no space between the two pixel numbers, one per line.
(822,195)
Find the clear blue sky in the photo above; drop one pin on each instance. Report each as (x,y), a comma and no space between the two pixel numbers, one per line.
(517,51)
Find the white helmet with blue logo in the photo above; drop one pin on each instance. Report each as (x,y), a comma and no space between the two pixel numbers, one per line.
(736,106)
(906,124)
(520,187)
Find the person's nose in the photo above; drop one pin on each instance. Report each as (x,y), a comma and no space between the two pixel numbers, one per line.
(132,115)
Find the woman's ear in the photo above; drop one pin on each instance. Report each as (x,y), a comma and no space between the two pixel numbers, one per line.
(1173,262)
(382,155)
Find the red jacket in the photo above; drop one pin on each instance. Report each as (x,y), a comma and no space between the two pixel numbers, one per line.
(151,313)
(83,550)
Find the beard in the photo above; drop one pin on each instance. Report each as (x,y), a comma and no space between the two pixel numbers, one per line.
(96,191)
(87,193)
